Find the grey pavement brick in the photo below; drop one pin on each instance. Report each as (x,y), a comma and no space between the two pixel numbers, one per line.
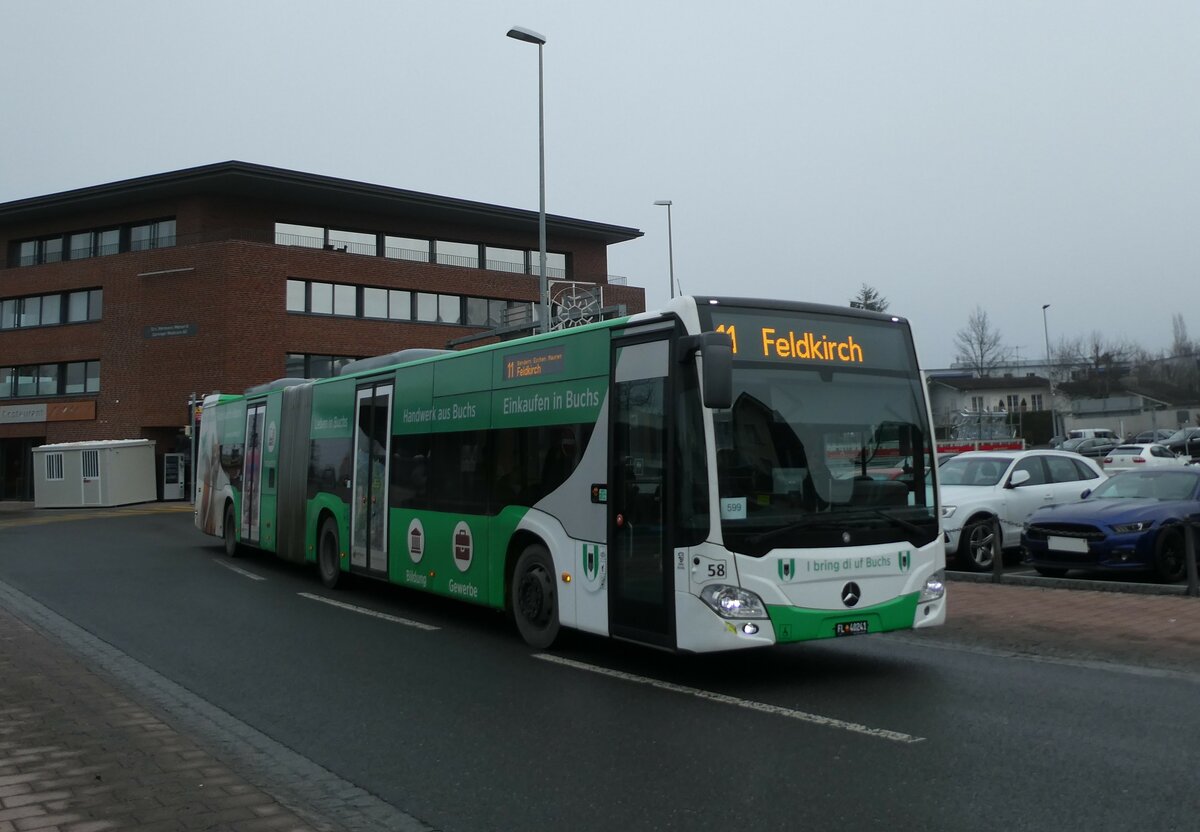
(45,822)
(32,797)
(21,812)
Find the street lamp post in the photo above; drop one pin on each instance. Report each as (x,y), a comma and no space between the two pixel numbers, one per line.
(530,36)
(1049,372)
(670,242)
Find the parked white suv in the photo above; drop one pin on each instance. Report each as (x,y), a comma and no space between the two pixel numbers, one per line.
(986,496)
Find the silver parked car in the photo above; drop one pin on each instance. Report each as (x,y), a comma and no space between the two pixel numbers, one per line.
(986,496)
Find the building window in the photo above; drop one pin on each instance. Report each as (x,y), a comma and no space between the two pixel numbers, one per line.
(375,302)
(79,245)
(31,312)
(27,380)
(95,243)
(295,296)
(48,380)
(158,234)
(318,298)
(345,300)
(427,306)
(52,309)
(54,466)
(449,309)
(1035,401)
(1014,403)
(477,312)
(62,379)
(422,250)
(45,250)
(91,464)
(399,305)
(977,403)
(27,253)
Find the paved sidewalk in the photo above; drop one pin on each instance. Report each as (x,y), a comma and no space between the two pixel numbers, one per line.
(1155,631)
(78,755)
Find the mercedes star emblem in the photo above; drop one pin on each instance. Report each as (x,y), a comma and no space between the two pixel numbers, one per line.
(851,594)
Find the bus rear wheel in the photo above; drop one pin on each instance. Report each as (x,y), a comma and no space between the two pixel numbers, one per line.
(328,557)
(229,532)
(534,597)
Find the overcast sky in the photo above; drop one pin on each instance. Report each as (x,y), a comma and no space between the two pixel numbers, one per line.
(948,153)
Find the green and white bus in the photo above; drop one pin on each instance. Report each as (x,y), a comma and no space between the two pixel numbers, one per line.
(720,474)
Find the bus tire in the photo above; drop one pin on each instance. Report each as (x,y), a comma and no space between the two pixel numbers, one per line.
(534,597)
(229,532)
(328,557)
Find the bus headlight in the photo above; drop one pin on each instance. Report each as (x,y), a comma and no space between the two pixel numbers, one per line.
(733,601)
(935,587)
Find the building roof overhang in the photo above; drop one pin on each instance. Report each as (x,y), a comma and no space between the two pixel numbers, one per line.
(260,182)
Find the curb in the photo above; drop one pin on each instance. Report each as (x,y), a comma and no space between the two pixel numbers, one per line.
(1070,583)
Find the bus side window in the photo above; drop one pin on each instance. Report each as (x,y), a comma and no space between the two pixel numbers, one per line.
(410,471)
(562,455)
(458,472)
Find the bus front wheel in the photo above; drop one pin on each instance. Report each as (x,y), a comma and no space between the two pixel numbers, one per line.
(535,598)
(229,532)
(328,559)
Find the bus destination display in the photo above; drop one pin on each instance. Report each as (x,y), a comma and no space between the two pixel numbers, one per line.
(543,362)
(812,340)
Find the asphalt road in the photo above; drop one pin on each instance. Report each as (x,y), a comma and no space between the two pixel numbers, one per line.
(458,724)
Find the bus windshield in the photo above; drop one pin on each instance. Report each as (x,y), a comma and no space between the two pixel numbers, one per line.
(823,453)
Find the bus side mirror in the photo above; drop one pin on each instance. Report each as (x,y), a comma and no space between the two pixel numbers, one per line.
(716,354)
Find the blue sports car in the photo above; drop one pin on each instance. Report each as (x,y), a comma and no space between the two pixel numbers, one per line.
(1133,521)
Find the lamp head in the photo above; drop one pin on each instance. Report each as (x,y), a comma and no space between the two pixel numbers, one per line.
(662,202)
(527,35)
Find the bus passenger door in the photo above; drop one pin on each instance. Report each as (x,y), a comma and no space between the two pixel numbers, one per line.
(252,472)
(641,578)
(369,492)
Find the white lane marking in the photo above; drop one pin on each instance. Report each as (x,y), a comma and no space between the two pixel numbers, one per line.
(383,615)
(244,573)
(776,710)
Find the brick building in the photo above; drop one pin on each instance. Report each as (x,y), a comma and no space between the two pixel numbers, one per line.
(119,301)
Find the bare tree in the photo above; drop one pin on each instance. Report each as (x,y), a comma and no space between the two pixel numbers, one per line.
(869,298)
(1181,345)
(979,346)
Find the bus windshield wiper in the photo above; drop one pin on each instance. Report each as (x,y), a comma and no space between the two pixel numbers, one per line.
(810,522)
(912,528)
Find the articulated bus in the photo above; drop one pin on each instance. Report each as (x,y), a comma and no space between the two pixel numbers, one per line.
(720,474)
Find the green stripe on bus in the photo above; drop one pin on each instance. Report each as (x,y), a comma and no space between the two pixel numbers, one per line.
(796,624)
